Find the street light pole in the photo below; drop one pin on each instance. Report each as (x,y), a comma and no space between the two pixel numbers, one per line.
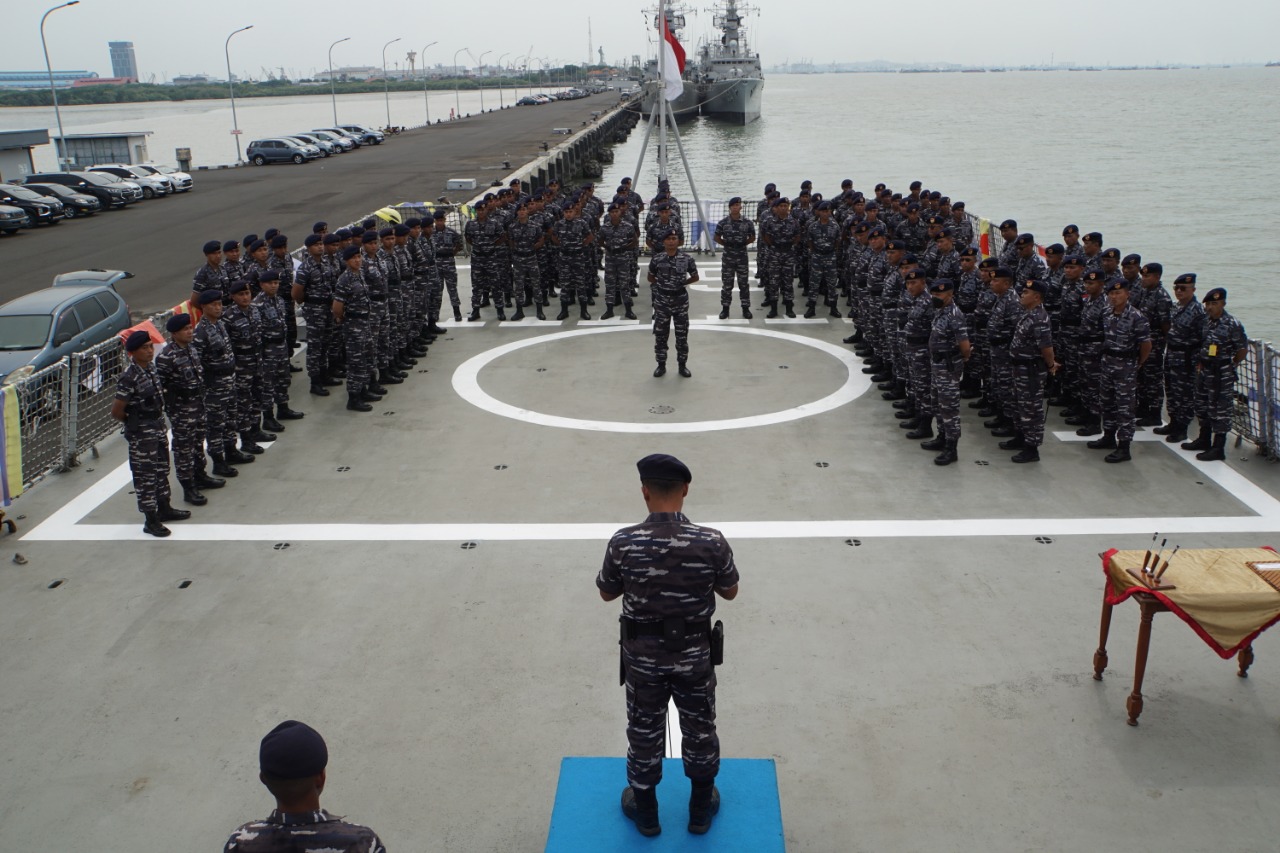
(62,139)
(501,103)
(480,78)
(425,103)
(386,84)
(457,102)
(235,124)
(333,92)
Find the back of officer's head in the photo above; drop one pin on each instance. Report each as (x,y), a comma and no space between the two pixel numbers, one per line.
(292,759)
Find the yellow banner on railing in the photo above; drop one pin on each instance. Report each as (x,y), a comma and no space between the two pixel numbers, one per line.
(10,445)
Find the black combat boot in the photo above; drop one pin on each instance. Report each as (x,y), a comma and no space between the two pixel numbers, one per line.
(746,312)
(1028,454)
(835,312)
(630,315)
(983,402)
(1216,453)
(484,302)
(540,315)
(474,315)
(334,381)
(270,423)
(704,804)
(519,315)
(502,315)
(661,369)
(222,468)
(248,445)
(724,311)
(1165,429)
(191,494)
(356,403)
(773,309)
(153,525)
(457,316)
(389,377)
(582,312)
(641,807)
(564,312)
(235,456)
(1078,418)
(1177,432)
(1093,426)
(939,443)
(204,481)
(811,311)
(1150,417)
(608,313)
(852,339)
(1005,429)
(1121,453)
(791,311)
(885,374)
(260,434)
(907,412)
(897,392)
(1203,440)
(684,370)
(317,388)
(168,513)
(948,454)
(434,329)
(1107,442)
(370,396)
(904,403)
(996,421)
(1015,443)
(924,430)
(284,413)
(910,423)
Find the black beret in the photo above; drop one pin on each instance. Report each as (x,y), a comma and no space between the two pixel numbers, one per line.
(413,222)
(915,275)
(913,207)
(946,201)
(249,238)
(625,181)
(1116,284)
(270,234)
(1132,259)
(387,232)
(871,205)
(770,187)
(968,252)
(230,245)
(369,237)
(292,750)
(350,252)
(806,185)
(439,214)
(1024,240)
(344,233)
(211,247)
(312,239)
(331,239)
(909,258)
(877,230)
(671,232)
(239,286)
(1113,253)
(256,245)
(1009,223)
(318,227)
(933,219)
(269,275)
(1094,275)
(824,205)
(402,230)
(935,195)
(279,241)
(898,245)
(946,232)
(136,340)
(737,199)
(1075,260)
(612,207)
(1094,236)
(942,285)
(957,205)
(208,296)
(861,227)
(1004,272)
(915,185)
(782,199)
(1055,249)
(847,182)
(988,264)
(1216,294)
(178,322)
(1153,269)
(660,466)
(1070,229)
(1185,278)
(372,222)
(1037,286)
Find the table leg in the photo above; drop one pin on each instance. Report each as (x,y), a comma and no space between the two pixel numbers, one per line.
(1246,660)
(1100,656)
(1134,704)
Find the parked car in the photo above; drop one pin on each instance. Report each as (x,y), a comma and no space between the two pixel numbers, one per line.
(12,219)
(278,150)
(528,101)
(38,329)
(181,180)
(153,186)
(108,189)
(366,134)
(355,138)
(73,203)
(327,148)
(40,209)
(346,143)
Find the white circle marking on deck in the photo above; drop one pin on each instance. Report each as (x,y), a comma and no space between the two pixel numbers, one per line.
(466,383)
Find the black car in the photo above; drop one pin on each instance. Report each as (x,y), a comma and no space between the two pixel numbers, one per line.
(108,189)
(75,203)
(41,210)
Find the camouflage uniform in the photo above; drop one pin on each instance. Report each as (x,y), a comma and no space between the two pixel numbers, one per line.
(284,263)
(275,350)
(734,267)
(963,229)
(671,301)
(526,276)
(315,279)
(392,339)
(212,278)
(1032,334)
(447,244)
(1125,333)
(218,362)
(780,234)
(1089,350)
(1157,306)
(1066,339)
(667,568)
(572,261)
(618,242)
(876,269)
(917,331)
(139,388)
(375,279)
(1216,380)
(244,330)
(1030,268)
(182,379)
(948,330)
(303,832)
(426,276)
(947,265)
(980,358)
(1186,331)
(1004,316)
(482,236)
(352,292)
(914,234)
(822,241)
(405,291)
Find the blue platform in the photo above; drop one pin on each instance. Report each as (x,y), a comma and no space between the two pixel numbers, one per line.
(588,814)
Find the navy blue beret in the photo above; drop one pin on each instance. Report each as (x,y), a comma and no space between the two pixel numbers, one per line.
(1118,284)
(660,466)
(270,234)
(1153,269)
(387,232)
(871,205)
(439,214)
(957,205)
(1055,249)
(230,245)
(292,750)
(1009,223)
(806,185)
(1038,286)
(968,252)
(350,252)
(915,275)
(279,241)
(401,230)
(1094,237)
(239,286)
(1074,260)
(318,227)
(1216,294)
(178,322)
(413,222)
(344,233)
(909,258)
(330,239)
(942,285)
(1131,259)
(269,275)
(249,239)
(1004,272)
(1024,240)
(312,239)
(899,245)
(208,296)
(1070,229)
(946,232)
(212,246)
(737,199)
(988,264)
(256,245)
(1112,253)
(1094,275)
(136,341)
(824,205)
(369,237)
(671,232)
(371,222)
(1185,278)
(913,207)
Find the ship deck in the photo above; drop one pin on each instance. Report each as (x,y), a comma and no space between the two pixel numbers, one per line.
(912,645)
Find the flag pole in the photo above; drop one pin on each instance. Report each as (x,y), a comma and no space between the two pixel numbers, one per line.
(662,90)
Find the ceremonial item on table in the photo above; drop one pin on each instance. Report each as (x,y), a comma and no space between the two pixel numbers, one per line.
(1268,571)
(1148,574)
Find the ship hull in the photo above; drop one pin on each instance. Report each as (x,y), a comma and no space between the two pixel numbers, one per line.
(736,101)
(685,106)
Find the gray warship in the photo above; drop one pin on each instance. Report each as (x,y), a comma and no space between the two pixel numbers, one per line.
(685,106)
(730,80)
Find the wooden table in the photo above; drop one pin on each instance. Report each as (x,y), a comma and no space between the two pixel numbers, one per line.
(1209,579)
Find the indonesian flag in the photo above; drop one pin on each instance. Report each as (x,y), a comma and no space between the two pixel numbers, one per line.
(672,63)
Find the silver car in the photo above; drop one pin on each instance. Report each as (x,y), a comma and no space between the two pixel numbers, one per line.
(181,181)
(153,186)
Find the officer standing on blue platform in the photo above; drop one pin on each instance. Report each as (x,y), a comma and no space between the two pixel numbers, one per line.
(291,764)
(669,648)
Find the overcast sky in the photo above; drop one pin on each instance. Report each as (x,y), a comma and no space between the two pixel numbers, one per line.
(172,38)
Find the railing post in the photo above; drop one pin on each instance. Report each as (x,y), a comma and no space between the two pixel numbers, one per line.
(70,405)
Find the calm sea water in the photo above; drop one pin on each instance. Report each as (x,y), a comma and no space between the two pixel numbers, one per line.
(1178,166)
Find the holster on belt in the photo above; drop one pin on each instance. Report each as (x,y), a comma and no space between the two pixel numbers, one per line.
(717,643)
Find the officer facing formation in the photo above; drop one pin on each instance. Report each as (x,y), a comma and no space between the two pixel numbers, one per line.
(669,647)
(670,273)
(1223,346)
(292,760)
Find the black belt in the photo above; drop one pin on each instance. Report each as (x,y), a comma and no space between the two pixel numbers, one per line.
(1092,339)
(917,340)
(1001,341)
(273,339)
(356,315)
(378,298)
(525,254)
(1176,348)
(1067,324)
(824,254)
(215,370)
(1026,359)
(1120,353)
(313,301)
(939,357)
(692,629)
(444,254)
